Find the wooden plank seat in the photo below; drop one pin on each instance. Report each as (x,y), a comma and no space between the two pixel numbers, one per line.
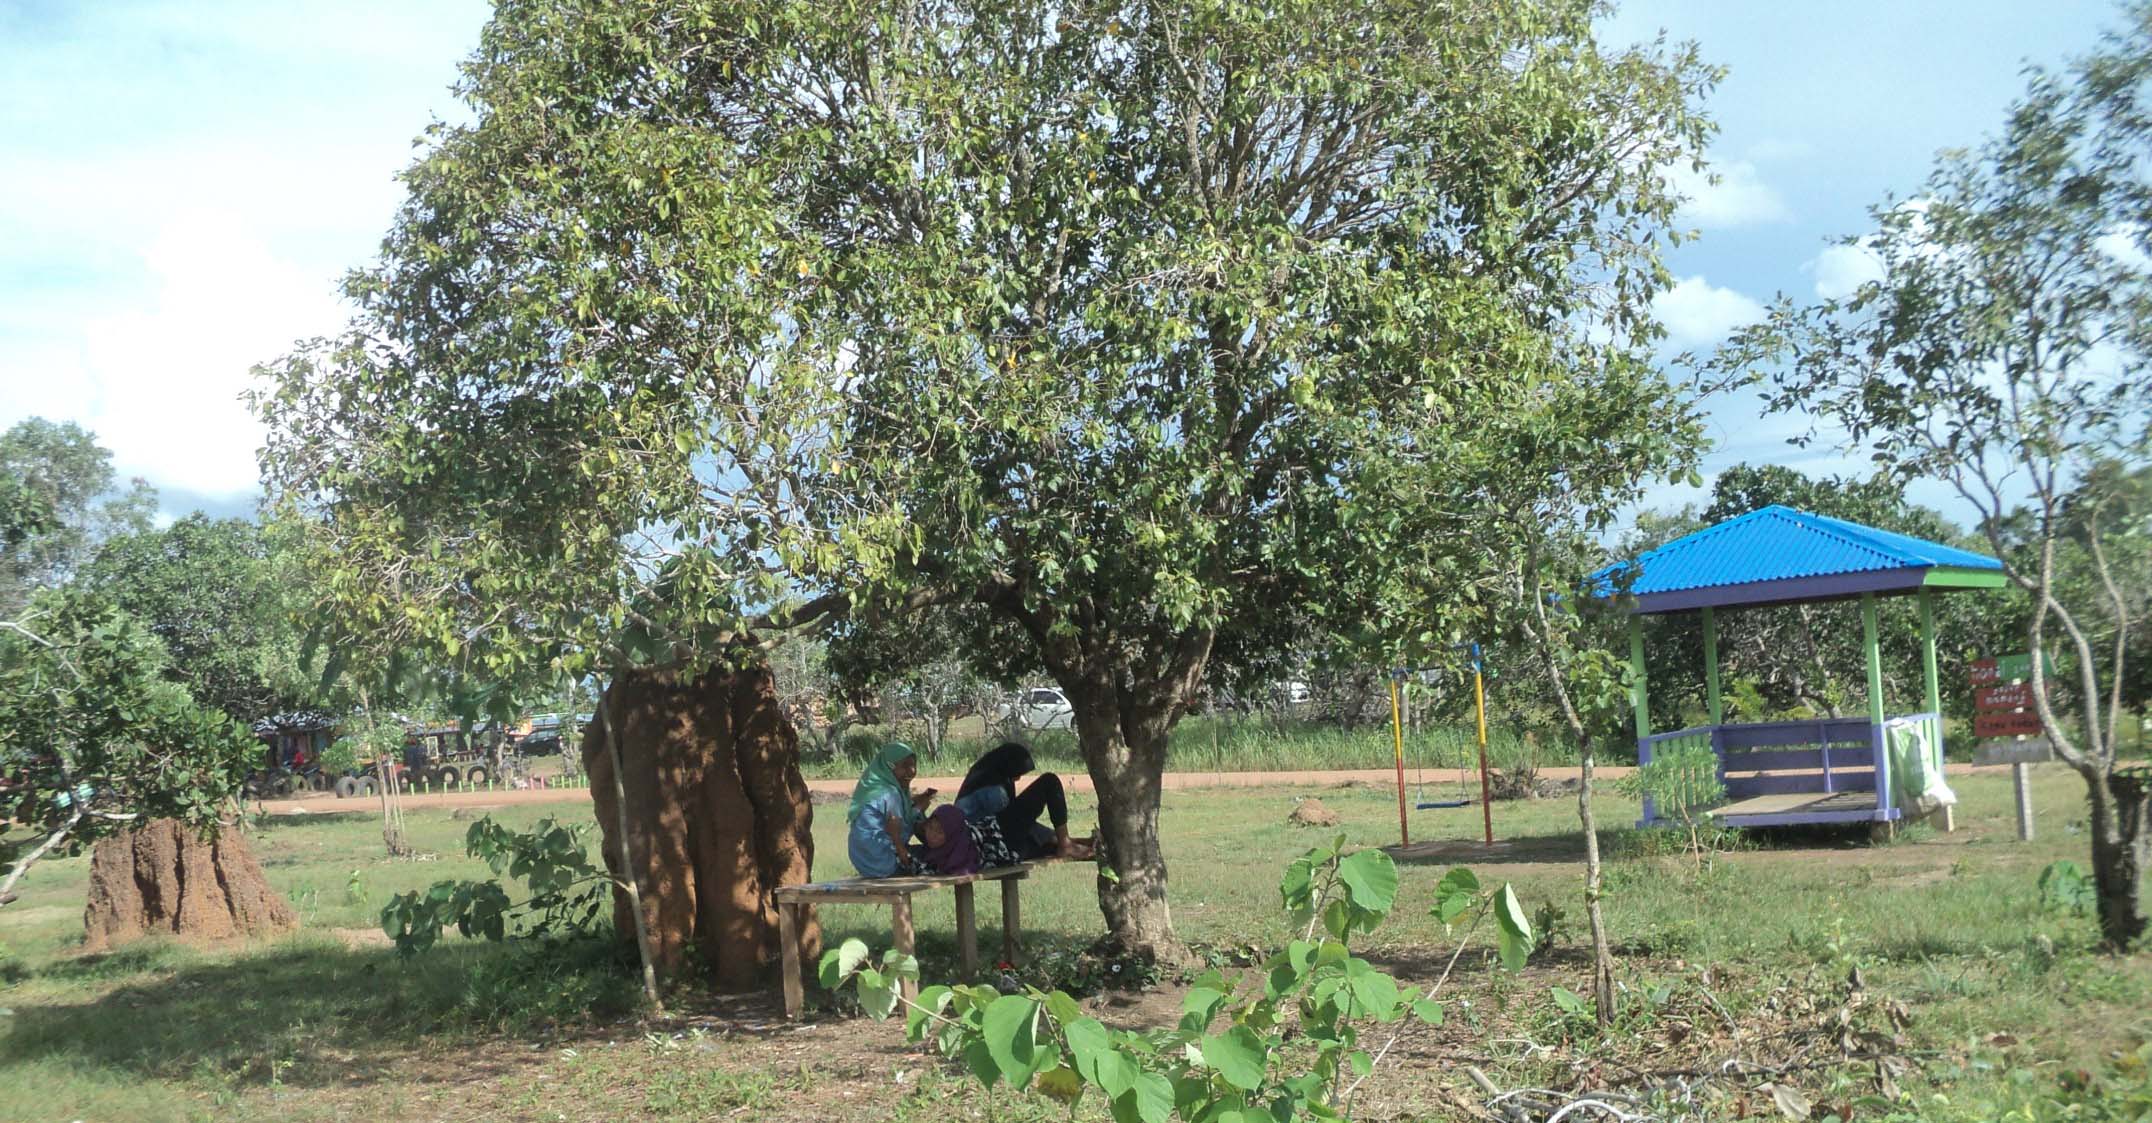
(896,892)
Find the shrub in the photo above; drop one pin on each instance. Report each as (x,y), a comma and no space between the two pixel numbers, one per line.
(1228,1057)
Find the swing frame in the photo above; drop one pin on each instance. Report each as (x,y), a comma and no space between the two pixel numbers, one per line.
(1397,735)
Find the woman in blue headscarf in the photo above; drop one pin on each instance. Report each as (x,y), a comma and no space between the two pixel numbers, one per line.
(883,813)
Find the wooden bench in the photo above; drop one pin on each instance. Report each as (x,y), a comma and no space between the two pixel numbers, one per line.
(896,892)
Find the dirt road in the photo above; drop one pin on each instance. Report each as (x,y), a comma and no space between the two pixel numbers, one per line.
(1380,777)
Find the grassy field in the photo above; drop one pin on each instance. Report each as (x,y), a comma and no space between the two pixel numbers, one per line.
(1230,743)
(1981,999)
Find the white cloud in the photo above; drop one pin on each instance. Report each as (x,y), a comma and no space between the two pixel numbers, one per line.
(1841,269)
(1697,312)
(1726,195)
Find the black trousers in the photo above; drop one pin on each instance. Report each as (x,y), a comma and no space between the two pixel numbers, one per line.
(1020,819)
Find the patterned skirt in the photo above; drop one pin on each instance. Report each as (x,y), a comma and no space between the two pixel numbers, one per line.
(994,850)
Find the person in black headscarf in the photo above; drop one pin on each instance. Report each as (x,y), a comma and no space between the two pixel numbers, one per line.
(989,789)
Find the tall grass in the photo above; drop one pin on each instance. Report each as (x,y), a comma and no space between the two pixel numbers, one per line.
(1233,743)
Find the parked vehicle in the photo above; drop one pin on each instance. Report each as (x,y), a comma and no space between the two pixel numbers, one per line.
(1041,707)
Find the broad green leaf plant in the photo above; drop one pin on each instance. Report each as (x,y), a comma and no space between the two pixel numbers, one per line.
(563,892)
(1294,1040)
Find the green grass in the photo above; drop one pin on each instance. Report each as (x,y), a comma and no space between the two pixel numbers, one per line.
(331,1025)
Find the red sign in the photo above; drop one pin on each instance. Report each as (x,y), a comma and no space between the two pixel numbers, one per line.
(1989,699)
(2012,724)
(1983,673)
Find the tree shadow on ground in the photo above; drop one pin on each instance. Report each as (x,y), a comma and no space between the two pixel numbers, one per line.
(304,1013)
(1567,847)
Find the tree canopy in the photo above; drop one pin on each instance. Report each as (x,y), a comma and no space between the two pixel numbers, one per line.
(57,504)
(1134,324)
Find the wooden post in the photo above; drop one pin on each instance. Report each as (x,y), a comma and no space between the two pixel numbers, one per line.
(788,931)
(1639,695)
(1875,658)
(1012,919)
(900,936)
(1479,705)
(967,931)
(1397,733)
(1711,667)
(1933,696)
(2021,775)
(1876,741)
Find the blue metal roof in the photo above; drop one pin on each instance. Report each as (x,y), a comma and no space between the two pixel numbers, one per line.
(1780,554)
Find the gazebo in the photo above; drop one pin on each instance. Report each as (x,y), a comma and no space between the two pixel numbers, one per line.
(1817,770)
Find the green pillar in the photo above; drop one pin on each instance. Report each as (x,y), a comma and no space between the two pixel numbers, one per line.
(1875,658)
(1934,696)
(1711,667)
(1637,694)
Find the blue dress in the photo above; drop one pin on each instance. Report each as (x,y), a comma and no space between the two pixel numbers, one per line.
(867,841)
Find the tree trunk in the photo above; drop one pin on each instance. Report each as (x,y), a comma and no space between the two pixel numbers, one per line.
(1602,955)
(164,877)
(1131,864)
(2121,846)
(711,800)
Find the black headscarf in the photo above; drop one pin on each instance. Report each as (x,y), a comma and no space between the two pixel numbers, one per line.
(1001,767)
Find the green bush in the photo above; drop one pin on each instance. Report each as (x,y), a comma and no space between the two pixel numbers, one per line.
(1230,1058)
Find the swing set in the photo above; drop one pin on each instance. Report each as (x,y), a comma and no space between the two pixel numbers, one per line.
(1397,734)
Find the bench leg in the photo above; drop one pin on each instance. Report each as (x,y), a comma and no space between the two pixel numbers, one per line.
(900,935)
(788,931)
(1012,920)
(967,931)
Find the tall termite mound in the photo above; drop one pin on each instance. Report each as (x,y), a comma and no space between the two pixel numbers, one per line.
(165,877)
(718,816)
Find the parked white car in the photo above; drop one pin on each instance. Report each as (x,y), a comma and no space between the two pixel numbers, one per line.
(1041,707)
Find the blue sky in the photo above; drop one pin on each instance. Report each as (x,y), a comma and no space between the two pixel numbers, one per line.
(182,182)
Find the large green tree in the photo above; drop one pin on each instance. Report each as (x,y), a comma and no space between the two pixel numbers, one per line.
(2003,350)
(222,603)
(1126,322)
(59,471)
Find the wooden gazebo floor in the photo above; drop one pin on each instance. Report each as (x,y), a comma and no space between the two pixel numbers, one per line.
(1795,806)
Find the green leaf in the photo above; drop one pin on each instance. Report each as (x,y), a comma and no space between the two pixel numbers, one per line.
(1088,1041)
(1149,1099)
(877,993)
(1428,1010)
(1062,1084)
(1238,1055)
(1455,894)
(1063,1008)
(1199,1007)
(1008,1030)
(1376,994)
(1371,877)
(980,1060)
(1570,1001)
(918,1016)
(841,961)
(1514,932)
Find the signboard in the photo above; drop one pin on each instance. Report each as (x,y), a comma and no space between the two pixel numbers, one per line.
(2007,668)
(2032,751)
(2011,696)
(2008,723)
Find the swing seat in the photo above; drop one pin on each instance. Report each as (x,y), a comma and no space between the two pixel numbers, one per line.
(1444,803)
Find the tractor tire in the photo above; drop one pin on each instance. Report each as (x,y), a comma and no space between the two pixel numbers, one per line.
(346,787)
(447,777)
(284,783)
(477,775)
(319,782)
(368,786)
